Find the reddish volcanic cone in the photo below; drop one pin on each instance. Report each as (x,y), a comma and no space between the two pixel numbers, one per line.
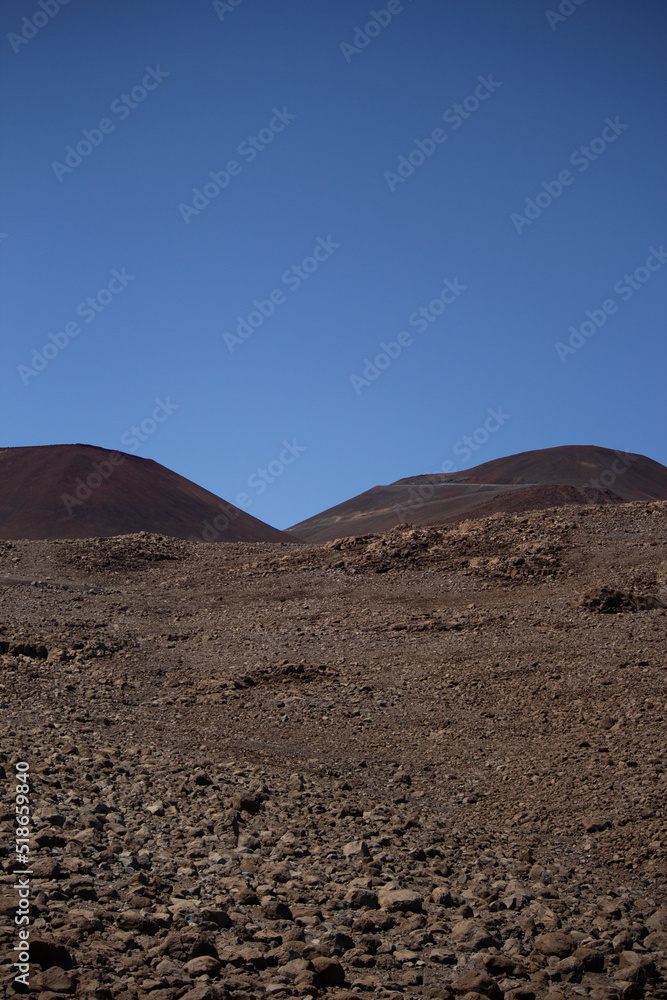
(632,477)
(80,491)
(532,480)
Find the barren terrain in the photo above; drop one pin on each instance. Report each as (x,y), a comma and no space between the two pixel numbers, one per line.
(532,480)
(429,763)
(81,491)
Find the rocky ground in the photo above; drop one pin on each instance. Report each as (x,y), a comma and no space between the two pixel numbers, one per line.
(428,763)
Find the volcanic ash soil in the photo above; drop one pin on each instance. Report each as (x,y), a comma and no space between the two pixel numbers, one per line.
(428,763)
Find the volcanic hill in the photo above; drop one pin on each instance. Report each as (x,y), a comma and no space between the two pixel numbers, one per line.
(81,491)
(531,480)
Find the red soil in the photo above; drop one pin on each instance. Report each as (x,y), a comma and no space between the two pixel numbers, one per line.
(38,498)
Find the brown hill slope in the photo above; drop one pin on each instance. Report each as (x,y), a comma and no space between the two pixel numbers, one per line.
(81,491)
(632,477)
(529,481)
(417,763)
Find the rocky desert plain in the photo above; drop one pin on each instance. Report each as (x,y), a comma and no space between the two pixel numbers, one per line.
(427,762)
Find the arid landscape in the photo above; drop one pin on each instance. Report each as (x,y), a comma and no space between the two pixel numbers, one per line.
(532,480)
(333,501)
(428,762)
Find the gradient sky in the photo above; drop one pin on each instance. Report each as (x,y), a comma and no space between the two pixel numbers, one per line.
(179,88)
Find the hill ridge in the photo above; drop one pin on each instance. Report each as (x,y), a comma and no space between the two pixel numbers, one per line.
(83,491)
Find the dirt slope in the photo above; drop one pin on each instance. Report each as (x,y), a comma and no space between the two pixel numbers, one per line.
(80,491)
(428,763)
(632,477)
(529,481)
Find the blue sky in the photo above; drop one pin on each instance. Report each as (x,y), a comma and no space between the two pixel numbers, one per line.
(530,200)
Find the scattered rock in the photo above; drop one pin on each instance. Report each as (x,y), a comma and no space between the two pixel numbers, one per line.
(330,971)
(400,900)
(254,773)
(554,943)
(479,983)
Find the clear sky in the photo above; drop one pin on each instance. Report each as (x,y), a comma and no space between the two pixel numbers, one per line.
(218,216)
